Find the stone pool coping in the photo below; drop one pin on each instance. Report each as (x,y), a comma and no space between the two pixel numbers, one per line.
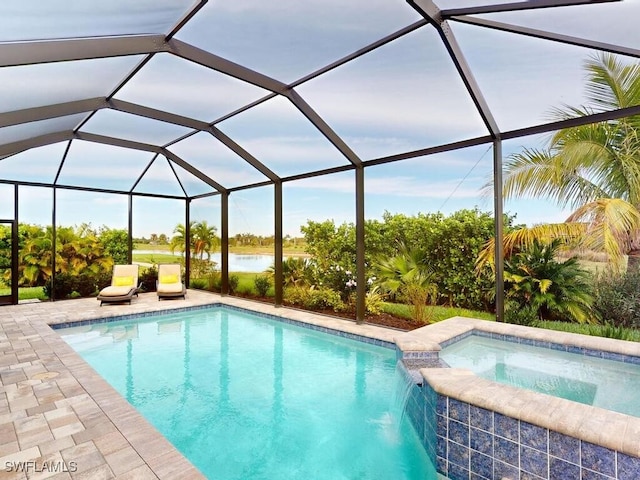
(55,408)
(609,429)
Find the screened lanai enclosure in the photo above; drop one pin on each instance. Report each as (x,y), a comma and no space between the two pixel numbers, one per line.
(252,114)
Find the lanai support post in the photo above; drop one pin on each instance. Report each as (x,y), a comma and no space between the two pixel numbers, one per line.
(130,231)
(360,273)
(499,228)
(187,241)
(53,244)
(14,247)
(277,261)
(224,241)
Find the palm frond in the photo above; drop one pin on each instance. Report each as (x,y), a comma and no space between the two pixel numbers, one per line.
(568,234)
(612,223)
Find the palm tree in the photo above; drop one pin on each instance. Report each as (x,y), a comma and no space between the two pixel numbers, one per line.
(203,239)
(178,241)
(595,169)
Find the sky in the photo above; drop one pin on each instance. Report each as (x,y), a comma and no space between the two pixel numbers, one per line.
(402,97)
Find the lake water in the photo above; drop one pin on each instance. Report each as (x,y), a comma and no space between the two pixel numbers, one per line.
(237,262)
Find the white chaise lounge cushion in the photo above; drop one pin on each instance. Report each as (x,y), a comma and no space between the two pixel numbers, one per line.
(112,291)
(170,287)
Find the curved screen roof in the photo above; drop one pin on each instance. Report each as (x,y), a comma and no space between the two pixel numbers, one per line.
(181,99)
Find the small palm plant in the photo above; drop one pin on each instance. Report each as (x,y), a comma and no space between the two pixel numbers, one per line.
(296,272)
(406,277)
(535,280)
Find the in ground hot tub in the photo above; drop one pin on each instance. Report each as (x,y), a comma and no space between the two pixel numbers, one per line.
(510,406)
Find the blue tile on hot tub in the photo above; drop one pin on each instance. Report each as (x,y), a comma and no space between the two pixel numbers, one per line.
(457,454)
(441,426)
(506,451)
(441,405)
(534,461)
(459,410)
(587,474)
(561,470)
(441,446)
(459,432)
(481,418)
(456,472)
(506,427)
(531,476)
(628,467)
(503,470)
(564,447)
(481,441)
(598,459)
(534,436)
(481,464)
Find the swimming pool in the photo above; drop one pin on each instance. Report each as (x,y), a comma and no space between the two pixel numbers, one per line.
(248,397)
(586,379)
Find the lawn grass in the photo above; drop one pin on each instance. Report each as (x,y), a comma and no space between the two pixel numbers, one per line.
(594,267)
(608,331)
(26,293)
(290,250)
(147,246)
(245,282)
(155,258)
(437,313)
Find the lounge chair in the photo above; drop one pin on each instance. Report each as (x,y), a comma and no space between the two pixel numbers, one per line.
(170,281)
(124,285)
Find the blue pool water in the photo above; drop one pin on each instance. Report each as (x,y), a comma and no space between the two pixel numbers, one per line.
(245,397)
(601,382)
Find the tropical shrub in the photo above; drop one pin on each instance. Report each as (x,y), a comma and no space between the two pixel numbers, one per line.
(214,281)
(554,290)
(198,283)
(296,271)
(329,245)
(417,297)
(116,244)
(338,279)
(518,314)
(201,267)
(450,246)
(617,297)
(262,284)
(314,299)
(374,301)
(148,279)
(234,280)
(407,278)
(72,286)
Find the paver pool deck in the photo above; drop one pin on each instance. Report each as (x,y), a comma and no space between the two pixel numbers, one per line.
(60,420)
